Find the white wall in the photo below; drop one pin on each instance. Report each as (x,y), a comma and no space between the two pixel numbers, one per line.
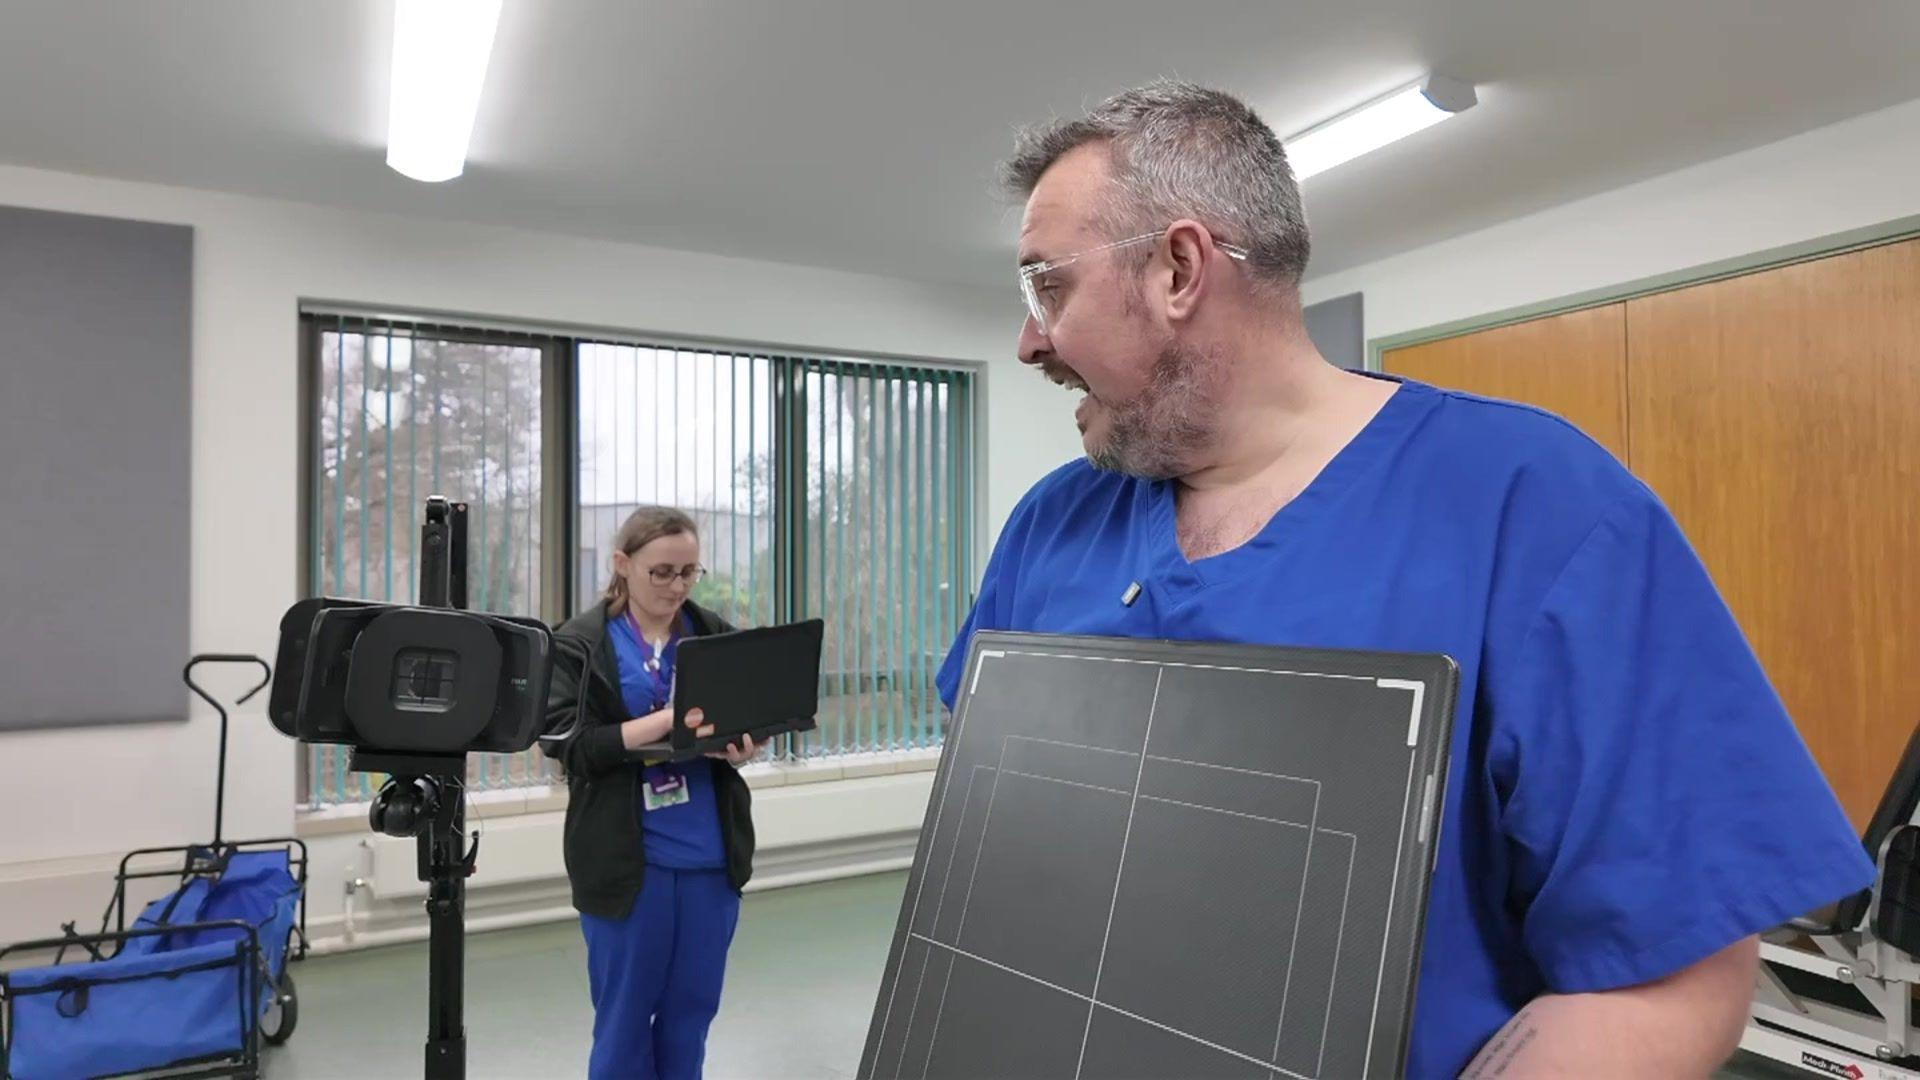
(70,798)
(810,824)
(1858,173)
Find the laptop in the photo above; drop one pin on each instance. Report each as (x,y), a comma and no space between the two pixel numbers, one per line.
(761,682)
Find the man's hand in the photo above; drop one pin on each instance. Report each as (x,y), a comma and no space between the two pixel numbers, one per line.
(1685,1025)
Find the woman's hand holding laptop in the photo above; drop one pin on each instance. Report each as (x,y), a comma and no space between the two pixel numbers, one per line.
(737,753)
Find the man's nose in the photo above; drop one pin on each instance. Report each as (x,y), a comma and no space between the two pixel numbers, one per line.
(1035,346)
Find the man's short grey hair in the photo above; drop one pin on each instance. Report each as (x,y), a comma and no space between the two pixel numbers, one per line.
(1183,151)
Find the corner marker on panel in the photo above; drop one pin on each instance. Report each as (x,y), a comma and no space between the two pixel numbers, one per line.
(1419,698)
(985,654)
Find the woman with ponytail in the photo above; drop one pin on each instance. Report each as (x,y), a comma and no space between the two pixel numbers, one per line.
(656,852)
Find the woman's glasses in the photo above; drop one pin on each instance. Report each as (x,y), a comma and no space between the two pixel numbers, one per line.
(664,575)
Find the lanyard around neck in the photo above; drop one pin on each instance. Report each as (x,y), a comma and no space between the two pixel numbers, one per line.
(650,655)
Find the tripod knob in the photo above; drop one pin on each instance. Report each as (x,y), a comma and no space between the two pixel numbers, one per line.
(404,806)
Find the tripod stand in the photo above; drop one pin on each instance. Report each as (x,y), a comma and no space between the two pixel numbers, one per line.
(425,797)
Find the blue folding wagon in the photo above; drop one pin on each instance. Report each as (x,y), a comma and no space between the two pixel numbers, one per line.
(198,980)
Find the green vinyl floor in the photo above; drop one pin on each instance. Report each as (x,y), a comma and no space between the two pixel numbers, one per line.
(801,980)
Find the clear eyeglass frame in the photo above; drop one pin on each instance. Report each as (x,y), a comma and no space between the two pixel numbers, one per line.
(1030,293)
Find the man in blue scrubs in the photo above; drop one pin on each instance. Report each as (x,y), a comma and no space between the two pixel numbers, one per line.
(1628,804)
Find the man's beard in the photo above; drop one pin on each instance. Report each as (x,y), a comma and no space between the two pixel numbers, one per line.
(1158,433)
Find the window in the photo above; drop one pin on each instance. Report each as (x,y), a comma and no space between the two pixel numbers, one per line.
(693,430)
(821,489)
(406,411)
(829,488)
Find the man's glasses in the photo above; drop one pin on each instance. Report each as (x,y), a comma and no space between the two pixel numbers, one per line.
(1042,297)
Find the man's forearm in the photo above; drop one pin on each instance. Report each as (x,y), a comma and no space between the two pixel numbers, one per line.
(1593,1035)
(1587,1035)
(1682,1026)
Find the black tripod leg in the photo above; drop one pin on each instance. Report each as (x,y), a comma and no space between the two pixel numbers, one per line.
(446,906)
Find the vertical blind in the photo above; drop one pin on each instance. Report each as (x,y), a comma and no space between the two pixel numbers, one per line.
(687,429)
(407,410)
(825,489)
(834,489)
(884,545)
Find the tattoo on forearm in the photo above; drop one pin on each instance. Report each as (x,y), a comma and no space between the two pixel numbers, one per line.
(1498,1056)
(1519,1045)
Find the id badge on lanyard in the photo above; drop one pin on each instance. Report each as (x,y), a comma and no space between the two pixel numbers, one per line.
(661,786)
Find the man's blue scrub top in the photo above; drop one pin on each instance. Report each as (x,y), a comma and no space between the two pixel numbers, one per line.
(1627,794)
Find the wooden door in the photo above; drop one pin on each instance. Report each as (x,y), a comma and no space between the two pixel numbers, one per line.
(1778,415)
(1573,364)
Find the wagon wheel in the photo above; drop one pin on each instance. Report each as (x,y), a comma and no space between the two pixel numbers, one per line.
(283,1012)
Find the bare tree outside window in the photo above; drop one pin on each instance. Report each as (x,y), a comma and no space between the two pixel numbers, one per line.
(403,415)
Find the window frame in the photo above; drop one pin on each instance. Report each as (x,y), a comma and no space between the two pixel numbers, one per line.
(560,446)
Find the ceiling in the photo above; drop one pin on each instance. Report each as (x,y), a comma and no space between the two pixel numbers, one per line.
(862,134)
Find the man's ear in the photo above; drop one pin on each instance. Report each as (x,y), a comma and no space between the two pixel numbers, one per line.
(1189,251)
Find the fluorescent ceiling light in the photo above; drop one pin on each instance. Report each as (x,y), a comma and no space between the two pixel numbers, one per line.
(1377,123)
(440,50)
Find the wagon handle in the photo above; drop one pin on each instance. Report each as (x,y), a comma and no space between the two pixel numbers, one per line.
(266,676)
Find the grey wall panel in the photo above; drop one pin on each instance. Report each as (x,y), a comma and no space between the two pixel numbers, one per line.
(95,470)
(1338,329)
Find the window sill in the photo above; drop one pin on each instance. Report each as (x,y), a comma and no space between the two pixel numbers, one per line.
(550,798)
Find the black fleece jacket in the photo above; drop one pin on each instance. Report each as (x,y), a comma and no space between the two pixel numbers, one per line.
(605,860)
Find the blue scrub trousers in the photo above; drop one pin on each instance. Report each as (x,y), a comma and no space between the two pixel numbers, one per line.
(656,975)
